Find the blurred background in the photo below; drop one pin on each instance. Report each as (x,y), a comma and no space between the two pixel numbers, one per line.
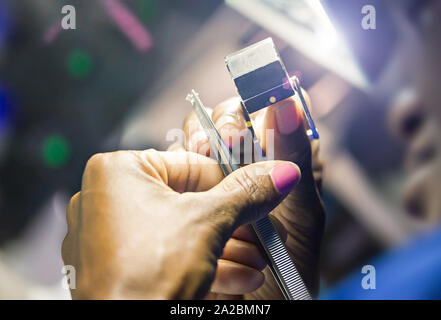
(119,81)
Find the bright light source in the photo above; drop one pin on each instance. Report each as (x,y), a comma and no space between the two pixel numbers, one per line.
(305,25)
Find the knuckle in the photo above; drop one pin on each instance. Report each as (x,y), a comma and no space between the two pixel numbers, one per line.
(103,162)
(96,162)
(70,214)
(249,185)
(106,166)
(151,152)
(228,107)
(69,251)
(64,250)
(191,124)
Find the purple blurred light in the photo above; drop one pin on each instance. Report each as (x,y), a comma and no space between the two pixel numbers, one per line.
(52,33)
(129,24)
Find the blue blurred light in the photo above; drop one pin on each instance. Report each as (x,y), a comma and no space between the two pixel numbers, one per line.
(412,271)
(4,22)
(5,110)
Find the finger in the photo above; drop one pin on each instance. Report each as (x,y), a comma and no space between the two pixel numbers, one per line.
(229,120)
(177,146)
(72,210)
(71,218)
(195,137)
(246,234)
(245,253)
(187,171)
(251,192)
(236,279)
(285,121)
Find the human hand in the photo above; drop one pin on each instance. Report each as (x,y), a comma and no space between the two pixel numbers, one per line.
(417,123)
(152,225)
(299,218)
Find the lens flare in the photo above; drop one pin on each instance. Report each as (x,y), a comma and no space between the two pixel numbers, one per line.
(79,64)
(55,151)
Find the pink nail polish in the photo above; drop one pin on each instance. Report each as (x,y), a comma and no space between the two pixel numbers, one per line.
(285,176)
(287,117)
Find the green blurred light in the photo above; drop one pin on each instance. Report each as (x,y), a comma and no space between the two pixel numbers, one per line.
(55,151)
(148,9)
(79,64)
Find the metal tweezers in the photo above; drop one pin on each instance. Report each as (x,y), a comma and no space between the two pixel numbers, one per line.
(271,245)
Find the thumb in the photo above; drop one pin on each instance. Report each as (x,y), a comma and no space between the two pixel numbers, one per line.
(290,140)
(251,192)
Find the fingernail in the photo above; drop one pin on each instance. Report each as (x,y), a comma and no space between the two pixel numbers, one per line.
(285,176)
(287,117)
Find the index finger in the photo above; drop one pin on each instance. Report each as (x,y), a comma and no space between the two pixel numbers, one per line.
(195,137)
